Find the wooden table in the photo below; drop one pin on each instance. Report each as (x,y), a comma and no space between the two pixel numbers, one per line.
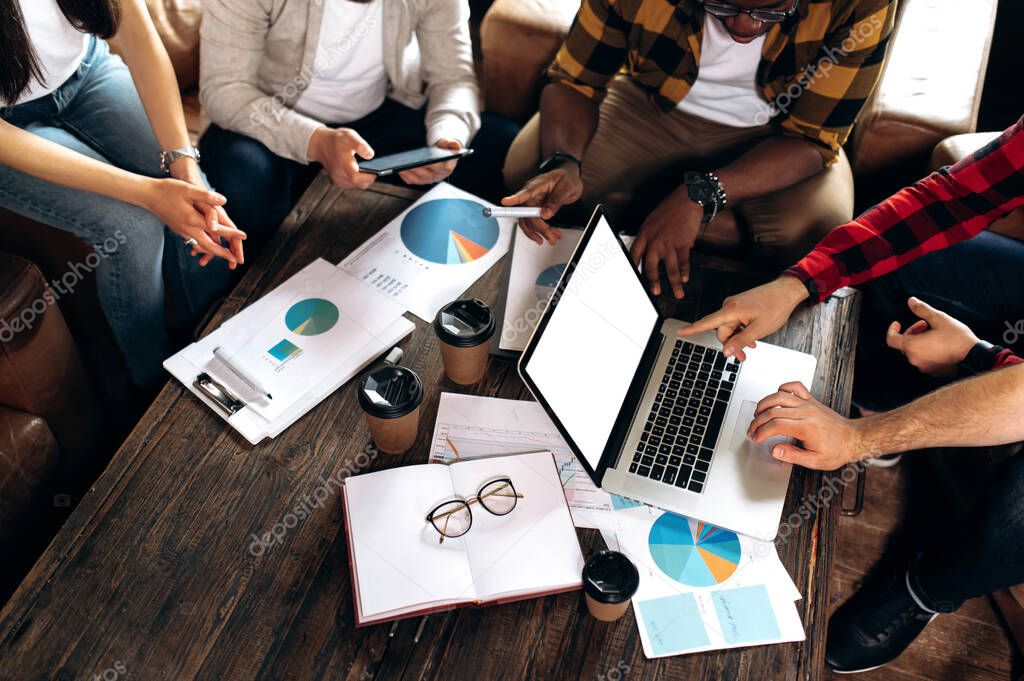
(152,577)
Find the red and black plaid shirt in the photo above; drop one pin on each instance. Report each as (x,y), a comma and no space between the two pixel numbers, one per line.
(949,206)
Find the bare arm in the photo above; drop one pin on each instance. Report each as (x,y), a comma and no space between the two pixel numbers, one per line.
(670,231)
(568,121)
(154,78)
(978,412)
(769,167)
(187,207)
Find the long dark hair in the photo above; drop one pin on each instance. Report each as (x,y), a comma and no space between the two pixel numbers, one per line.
(18,61)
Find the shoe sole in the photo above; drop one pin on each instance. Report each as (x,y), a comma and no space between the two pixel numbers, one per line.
(877,666)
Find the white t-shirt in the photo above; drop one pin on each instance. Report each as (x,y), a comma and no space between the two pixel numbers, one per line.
(348,79)
(726,89)
(59,47)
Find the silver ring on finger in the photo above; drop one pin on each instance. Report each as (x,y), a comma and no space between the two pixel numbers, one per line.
(191,243)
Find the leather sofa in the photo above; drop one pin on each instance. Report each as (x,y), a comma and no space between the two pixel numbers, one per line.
(928,91)
(49,417)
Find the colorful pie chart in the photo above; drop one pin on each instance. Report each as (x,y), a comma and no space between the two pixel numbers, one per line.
(692,552)
(449,231)
(547,282)
(311,317)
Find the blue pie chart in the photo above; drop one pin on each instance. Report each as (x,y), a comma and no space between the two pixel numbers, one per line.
(547,281)
(449,231)
(693,552)
(311,317)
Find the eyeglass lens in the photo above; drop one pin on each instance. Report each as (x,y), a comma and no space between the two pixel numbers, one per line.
(499,497)
(452,518)
(725,10)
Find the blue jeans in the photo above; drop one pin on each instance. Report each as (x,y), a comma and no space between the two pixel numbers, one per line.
(981,283)
(263,187)
(97,112)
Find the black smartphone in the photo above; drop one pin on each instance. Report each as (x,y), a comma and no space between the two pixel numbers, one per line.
(406,160)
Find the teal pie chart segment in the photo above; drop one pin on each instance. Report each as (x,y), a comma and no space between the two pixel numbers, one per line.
(449,231)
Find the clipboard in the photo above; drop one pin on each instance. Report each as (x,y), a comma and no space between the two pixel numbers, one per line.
(369,324)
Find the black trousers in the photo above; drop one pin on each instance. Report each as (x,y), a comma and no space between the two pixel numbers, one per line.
(980,548)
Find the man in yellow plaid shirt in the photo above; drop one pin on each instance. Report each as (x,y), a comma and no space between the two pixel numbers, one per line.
(696,106)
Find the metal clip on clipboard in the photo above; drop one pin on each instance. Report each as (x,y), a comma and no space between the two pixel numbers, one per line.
(225,400)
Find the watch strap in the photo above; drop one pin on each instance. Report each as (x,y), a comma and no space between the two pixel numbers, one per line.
(169,156)
(556,159)
(981,358)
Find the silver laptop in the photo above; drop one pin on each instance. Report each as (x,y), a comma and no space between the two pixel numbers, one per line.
(652,416)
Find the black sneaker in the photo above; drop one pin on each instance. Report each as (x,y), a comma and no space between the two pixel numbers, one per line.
(874,627)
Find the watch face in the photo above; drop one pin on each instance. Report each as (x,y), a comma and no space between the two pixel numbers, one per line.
(701,192)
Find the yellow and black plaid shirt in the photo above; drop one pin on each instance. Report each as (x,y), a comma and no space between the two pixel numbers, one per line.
(817,68)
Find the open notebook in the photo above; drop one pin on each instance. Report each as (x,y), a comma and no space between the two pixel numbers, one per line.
(399,569)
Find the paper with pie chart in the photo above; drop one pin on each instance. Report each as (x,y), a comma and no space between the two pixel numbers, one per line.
(294,336)
(704,587)
(534,274)
(431,253)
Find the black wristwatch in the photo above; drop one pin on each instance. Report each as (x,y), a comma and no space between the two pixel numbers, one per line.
(980,359)
(556,159)
(706,191)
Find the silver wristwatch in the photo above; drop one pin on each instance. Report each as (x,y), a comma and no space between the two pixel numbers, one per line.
(172,155)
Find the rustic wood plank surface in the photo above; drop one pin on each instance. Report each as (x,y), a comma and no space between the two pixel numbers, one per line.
(154,572)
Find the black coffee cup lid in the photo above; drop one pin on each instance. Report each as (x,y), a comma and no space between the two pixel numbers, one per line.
(465,323)
(610,577)
(390,391)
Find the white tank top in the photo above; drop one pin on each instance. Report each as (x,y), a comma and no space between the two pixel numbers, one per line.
(59,47)
(726,87)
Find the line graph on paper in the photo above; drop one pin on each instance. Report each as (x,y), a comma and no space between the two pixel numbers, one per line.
(453,442)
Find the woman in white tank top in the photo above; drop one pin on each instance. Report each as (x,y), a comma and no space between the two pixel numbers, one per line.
(81,138)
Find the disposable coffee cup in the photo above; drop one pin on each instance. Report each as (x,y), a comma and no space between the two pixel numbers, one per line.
(465,328)
(390,395)
(609,582)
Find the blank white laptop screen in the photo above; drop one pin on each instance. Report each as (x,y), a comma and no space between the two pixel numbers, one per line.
(593,342)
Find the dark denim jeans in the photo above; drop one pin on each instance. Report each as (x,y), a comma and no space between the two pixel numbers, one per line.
(981,283)
(262,187)
(97,112)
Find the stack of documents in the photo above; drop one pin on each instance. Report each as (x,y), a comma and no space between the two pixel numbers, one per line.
(284,354)
(301,342)
(703,587)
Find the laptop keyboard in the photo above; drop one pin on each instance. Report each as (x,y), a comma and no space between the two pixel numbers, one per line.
(682,428)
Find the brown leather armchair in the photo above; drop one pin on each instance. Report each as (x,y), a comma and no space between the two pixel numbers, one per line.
(929,90)
(48,415)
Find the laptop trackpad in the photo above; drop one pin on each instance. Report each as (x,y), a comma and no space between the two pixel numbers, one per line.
(753,450)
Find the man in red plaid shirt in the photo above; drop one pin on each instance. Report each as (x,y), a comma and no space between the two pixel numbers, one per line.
(924,250)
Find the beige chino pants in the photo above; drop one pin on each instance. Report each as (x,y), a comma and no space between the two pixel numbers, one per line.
(636,144)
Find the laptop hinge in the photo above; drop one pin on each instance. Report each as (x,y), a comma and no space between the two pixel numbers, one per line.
(620,431)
